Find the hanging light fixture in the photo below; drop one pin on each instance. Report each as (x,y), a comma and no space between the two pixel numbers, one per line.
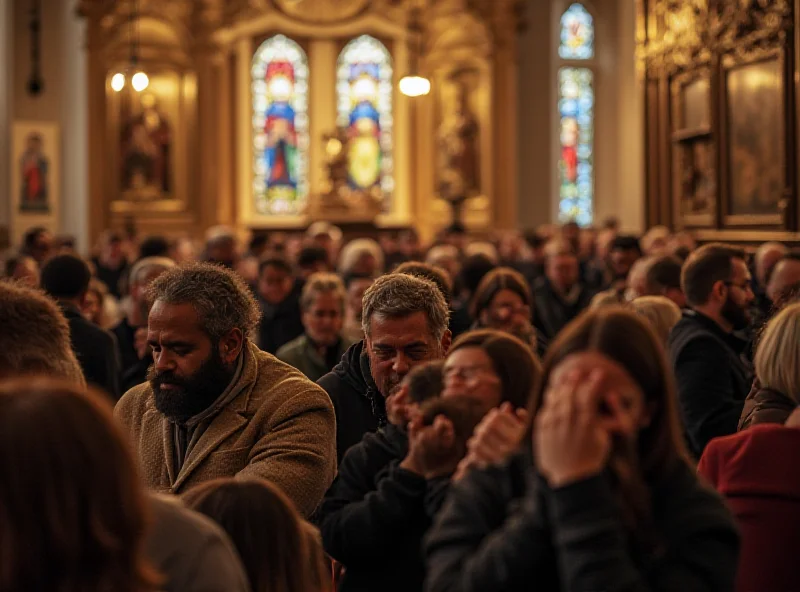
(414,84)
(139,80)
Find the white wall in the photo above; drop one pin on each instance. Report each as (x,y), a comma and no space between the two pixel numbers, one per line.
(618,115)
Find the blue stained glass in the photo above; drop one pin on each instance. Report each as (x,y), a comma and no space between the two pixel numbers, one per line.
(577,34)
(279,84)
(575,166)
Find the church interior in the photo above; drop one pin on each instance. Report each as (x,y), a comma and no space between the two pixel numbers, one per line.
(681,113)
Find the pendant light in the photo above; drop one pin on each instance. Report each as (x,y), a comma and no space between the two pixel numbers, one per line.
(139,80)
(414,84)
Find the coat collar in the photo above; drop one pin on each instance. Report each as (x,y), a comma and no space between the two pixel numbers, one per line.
(215,429)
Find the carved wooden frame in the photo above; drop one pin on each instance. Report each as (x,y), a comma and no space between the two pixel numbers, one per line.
(730,62)
(682,135)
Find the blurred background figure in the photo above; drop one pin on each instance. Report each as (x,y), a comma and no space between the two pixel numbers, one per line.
(22,269)
(100,307)
(655,241)
(110,262)
(66,279)
(321,345)
(661,313)
(279,297)
(355,285)
(362,256)
(312,259)
(38,244)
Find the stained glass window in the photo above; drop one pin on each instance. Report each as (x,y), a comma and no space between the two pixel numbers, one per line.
(364,108)
(279,78)
(577,34)
(576,161)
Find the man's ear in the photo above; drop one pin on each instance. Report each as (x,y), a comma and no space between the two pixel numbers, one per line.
(230,345)
(447,340)
(719,291)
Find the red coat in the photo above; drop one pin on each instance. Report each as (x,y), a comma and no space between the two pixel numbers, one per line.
(757,472)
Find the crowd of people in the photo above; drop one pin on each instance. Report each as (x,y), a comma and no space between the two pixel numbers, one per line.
(566,409)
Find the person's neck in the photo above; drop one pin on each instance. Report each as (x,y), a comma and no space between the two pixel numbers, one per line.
(714,314)
(73,302)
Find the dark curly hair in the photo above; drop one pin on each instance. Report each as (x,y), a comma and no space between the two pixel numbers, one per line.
(220,297)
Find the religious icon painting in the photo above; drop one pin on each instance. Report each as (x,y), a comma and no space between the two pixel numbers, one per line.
(576,161)
(279,76)
(364,105)
(34,165)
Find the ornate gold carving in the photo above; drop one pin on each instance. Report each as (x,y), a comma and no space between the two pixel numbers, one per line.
(690,32)
(322,11)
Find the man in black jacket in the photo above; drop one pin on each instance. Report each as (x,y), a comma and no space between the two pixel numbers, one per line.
(712,378)
(559,296)
(405,324)
(66,278)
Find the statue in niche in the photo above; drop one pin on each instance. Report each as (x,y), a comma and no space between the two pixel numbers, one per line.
(34,166)
(459,166)
(146,142)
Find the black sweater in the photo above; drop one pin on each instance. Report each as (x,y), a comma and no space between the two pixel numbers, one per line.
(504,530)
(375,514)
(712,378)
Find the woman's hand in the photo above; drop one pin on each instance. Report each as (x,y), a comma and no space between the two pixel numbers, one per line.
(572,437)
(497,437)
(398,407)
(432,450)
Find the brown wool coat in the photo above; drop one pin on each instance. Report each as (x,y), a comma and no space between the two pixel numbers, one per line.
(280,427)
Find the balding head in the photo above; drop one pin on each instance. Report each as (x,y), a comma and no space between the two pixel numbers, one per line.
(785,273)
(767,255)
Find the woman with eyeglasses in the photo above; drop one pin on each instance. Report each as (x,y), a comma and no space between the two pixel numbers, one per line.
(601,496)
(503,302)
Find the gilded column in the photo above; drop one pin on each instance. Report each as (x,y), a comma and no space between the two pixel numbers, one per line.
(504,106)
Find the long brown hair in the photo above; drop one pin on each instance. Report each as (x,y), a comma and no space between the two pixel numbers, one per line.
(72,511)
(627,339)
(494,282)
(518,368)
(265,528)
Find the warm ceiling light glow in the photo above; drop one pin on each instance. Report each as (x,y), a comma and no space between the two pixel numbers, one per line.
(140,81)
(118,81)
(415,86)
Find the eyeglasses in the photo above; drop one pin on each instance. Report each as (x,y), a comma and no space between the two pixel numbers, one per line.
(744,286)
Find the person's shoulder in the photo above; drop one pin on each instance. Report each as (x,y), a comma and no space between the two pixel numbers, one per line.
(280,382)
(134,403)
(191,549)
(292,349)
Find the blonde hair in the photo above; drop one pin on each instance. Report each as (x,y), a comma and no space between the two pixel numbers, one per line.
(661,313)
(778,353)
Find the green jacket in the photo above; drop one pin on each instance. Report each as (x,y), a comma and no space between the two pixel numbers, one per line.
(301,354)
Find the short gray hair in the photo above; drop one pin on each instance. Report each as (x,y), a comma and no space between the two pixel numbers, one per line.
(220,297)
(399,295)
(322,283)
(144,266)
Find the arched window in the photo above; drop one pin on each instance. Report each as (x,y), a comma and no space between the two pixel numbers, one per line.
(576,116)
(279,79)
(364,109)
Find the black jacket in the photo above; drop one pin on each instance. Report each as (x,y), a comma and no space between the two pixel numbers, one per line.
(359,405)
(96,350)
(712,378)
(550,312)
(280,323)
(374,516)
(504,529)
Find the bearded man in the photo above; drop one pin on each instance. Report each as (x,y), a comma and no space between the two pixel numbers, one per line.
(405,321)
(217,406)
(706,353)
